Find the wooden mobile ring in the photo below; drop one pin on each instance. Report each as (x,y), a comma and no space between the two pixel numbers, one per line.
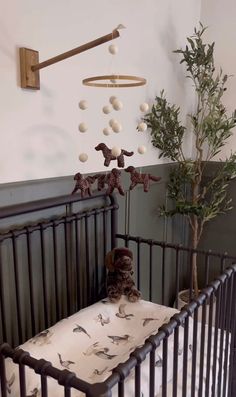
(136,81)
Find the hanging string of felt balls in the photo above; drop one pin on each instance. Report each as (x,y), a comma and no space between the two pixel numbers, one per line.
(112,180)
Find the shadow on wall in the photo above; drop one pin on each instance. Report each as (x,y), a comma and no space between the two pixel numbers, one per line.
(46,146)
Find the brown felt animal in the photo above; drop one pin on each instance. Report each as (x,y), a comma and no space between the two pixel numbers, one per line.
(107,154)
(83,184)
(114,182)
(119,263)
(137,177)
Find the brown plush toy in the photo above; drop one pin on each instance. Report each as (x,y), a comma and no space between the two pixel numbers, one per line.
(119,263)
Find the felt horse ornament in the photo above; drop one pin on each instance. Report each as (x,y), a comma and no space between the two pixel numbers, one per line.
(139,178)
(114,182)
(107,154)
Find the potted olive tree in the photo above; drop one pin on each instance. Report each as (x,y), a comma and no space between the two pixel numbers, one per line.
(211,127)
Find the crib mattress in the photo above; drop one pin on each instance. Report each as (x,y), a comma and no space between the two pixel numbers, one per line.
(90,343)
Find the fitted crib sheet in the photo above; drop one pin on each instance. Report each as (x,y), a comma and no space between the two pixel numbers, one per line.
(91,343)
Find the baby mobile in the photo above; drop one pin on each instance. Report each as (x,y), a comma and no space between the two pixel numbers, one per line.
(112,179)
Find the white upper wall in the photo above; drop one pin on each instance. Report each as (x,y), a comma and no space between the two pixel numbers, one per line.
(39,130)
(220,17)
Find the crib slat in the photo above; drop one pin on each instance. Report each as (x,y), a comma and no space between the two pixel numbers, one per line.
(222,335)
(137,380)
(4,331)
(17,288)
(77,261)
(228,317)
(67,275)
(164,367)
(44,276)
(87,261)
(67,391)
(209,348)
(55,259)
(31,284)
(201,368)
(185,358)
(152,373)
(121,389)
(150,269)
(218,305)
(3,376)
(104,218)
(175,361)
(222,263)
(104,233)
(44,386)
(194,353)
(126,238)
(231,388)
(96,252)
(22,380)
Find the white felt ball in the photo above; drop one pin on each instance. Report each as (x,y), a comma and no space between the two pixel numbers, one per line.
(144,107)
(106,131)
(142,127)
(116,127)
(115,151)
(106,109)
(112,121)
(113,49)
(142,149)
(83,157)
(117,105)
(83,127)
(83,104)
(112,99)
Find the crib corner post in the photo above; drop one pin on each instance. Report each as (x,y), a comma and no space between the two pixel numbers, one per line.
(99,390)
(114,220)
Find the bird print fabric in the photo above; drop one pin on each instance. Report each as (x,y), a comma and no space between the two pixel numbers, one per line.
(65,363)
(122,313)
(78,328)
(91,343)
(102,320)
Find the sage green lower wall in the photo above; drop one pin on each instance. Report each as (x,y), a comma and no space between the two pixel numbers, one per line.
(220,233)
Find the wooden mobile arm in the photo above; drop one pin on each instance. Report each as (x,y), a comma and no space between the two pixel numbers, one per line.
(30,66)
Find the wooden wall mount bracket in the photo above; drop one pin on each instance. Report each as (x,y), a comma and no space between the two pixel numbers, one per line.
(29,78)
(30,66)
